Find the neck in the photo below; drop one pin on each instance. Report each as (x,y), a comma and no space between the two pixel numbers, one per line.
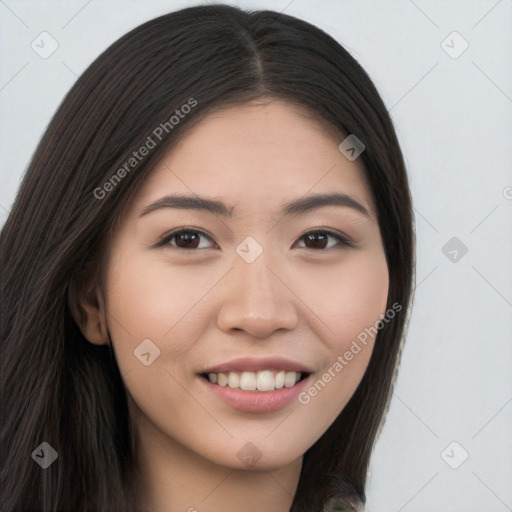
(176,479)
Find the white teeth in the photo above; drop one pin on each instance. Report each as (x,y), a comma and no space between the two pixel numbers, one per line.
(222,379)
(233,380)
(248,381)
(264,380)
(289,379)
(279,379)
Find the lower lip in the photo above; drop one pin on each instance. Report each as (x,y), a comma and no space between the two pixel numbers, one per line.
(257,401)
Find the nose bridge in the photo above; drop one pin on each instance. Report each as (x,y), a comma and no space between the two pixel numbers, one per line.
(257,285)
(255,300)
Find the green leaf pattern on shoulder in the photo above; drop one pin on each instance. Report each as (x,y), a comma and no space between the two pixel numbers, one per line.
(337,505)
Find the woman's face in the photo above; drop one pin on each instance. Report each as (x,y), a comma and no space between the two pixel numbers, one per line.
(213,272)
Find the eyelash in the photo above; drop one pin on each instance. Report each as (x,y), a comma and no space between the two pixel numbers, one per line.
(165,241)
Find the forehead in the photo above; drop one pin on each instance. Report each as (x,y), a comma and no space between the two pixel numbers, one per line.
(260,155)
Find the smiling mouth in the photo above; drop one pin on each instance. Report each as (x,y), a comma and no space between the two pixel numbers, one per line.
(262,380)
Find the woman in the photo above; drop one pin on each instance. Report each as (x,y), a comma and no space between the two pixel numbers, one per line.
(206,276)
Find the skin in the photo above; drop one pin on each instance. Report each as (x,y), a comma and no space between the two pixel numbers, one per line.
(206,307)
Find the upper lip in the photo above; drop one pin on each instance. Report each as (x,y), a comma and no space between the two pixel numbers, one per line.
(252,364)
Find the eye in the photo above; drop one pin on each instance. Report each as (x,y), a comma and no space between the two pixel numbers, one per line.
(186,239)
(319,239)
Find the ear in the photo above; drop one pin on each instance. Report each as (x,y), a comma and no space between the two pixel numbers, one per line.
(87,306)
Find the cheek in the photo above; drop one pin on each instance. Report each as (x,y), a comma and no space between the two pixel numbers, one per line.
(350,303)
(153,296)
(349,299)
(361,295)
(154,315)
(155,302)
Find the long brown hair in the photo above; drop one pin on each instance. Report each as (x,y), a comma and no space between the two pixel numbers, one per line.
(58,388)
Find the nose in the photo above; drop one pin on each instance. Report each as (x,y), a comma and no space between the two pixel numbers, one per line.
(257,300)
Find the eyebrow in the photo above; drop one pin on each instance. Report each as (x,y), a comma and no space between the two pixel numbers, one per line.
(296,207)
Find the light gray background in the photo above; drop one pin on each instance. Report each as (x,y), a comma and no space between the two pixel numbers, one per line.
(454,121)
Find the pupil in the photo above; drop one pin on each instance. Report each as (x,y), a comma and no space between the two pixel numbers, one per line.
(190,239)
(317,244)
